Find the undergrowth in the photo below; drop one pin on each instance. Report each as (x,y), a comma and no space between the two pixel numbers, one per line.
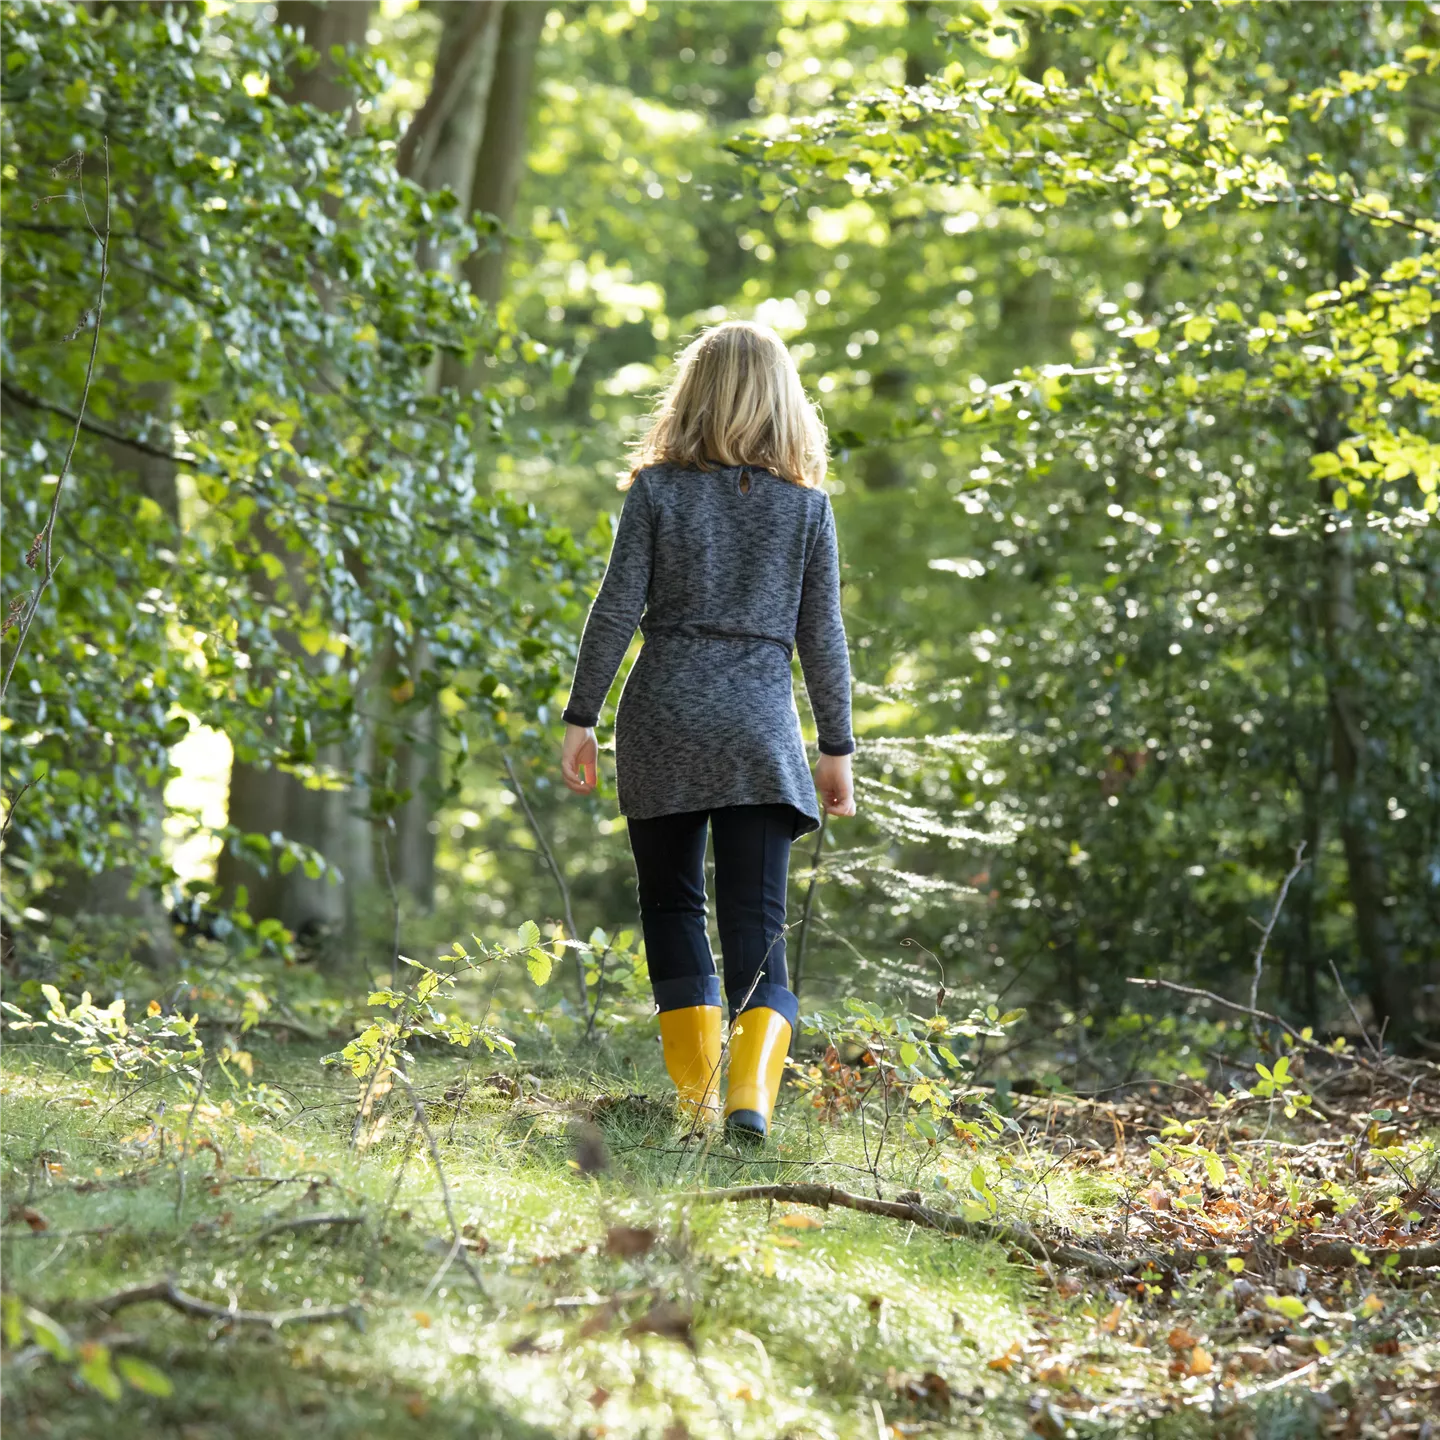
(589,1294)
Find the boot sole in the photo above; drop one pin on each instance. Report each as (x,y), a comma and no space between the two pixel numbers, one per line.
(747,1125)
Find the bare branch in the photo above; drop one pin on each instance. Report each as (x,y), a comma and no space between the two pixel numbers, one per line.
(555,870)
(46,539)
(168,1293)
(1018,1237)
(1295,869)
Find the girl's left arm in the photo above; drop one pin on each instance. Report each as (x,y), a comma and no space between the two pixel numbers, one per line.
(617,608)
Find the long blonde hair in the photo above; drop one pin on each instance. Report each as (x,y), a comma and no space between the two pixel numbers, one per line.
(736,399)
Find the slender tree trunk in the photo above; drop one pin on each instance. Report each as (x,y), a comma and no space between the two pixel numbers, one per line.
(476,150)
(264,799)
(1376,936)
(499,161)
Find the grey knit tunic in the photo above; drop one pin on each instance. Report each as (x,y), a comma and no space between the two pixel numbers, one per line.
(727,572)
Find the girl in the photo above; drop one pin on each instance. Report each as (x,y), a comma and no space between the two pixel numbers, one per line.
(725,557)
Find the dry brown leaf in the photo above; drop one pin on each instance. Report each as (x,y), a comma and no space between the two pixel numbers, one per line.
(1181,1339)
(667,1319)
(799,1221)
(1006,1362)
(625,1242)
(33,1218)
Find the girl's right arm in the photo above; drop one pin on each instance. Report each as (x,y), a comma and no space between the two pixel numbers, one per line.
(825,661)
(616,612)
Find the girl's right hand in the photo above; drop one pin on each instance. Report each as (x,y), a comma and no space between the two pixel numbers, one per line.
(580,759)
(836,787)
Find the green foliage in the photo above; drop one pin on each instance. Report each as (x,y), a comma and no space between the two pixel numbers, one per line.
(269,502)
(94,1364)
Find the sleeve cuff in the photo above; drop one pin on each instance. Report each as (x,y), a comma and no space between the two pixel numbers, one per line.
(571,716)
(844,747)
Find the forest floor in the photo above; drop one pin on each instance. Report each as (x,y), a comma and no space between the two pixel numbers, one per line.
(591,1293)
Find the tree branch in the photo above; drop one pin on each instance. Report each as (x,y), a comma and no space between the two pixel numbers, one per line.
(42,552)
(168,1293)
(33,402)
(1018,1237)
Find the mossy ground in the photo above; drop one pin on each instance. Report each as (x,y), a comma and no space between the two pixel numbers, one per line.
(738,1320)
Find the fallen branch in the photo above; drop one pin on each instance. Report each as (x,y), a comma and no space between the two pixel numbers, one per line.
(1016,1236)
(1330,1254)
(168,1293)
(307,1222)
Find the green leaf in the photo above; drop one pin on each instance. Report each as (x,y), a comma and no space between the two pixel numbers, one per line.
(909,1054)
(539,963)
(97,1372)
(49,1334)
(1147,339)
(142,1375)
(529,934)
(1289,1306)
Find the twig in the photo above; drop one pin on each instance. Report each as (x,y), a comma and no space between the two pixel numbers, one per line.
(1215,999)
(168,1293)
(306,1222)
(457,1240)
(814,885)
(185,1141)
(555,870)
(1295,869)
(10,810)
(1354,1013)
(43,549)
(1016,1236)
(599,994)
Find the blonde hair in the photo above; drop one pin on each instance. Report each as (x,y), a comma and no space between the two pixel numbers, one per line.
(736,399)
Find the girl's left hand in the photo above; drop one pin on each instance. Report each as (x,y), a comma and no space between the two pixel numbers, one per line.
(580,759)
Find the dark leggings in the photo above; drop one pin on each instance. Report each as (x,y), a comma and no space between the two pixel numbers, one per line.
(752,867)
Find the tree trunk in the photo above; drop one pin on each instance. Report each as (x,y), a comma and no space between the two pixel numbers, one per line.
(341,22)
(455,154)
(264,799)
(499,161)
(1376,937)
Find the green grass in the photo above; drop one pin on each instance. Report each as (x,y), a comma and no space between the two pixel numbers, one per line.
(796,1330)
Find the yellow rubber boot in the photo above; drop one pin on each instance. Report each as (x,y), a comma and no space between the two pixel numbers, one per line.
(759,1043)
(691,1038)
